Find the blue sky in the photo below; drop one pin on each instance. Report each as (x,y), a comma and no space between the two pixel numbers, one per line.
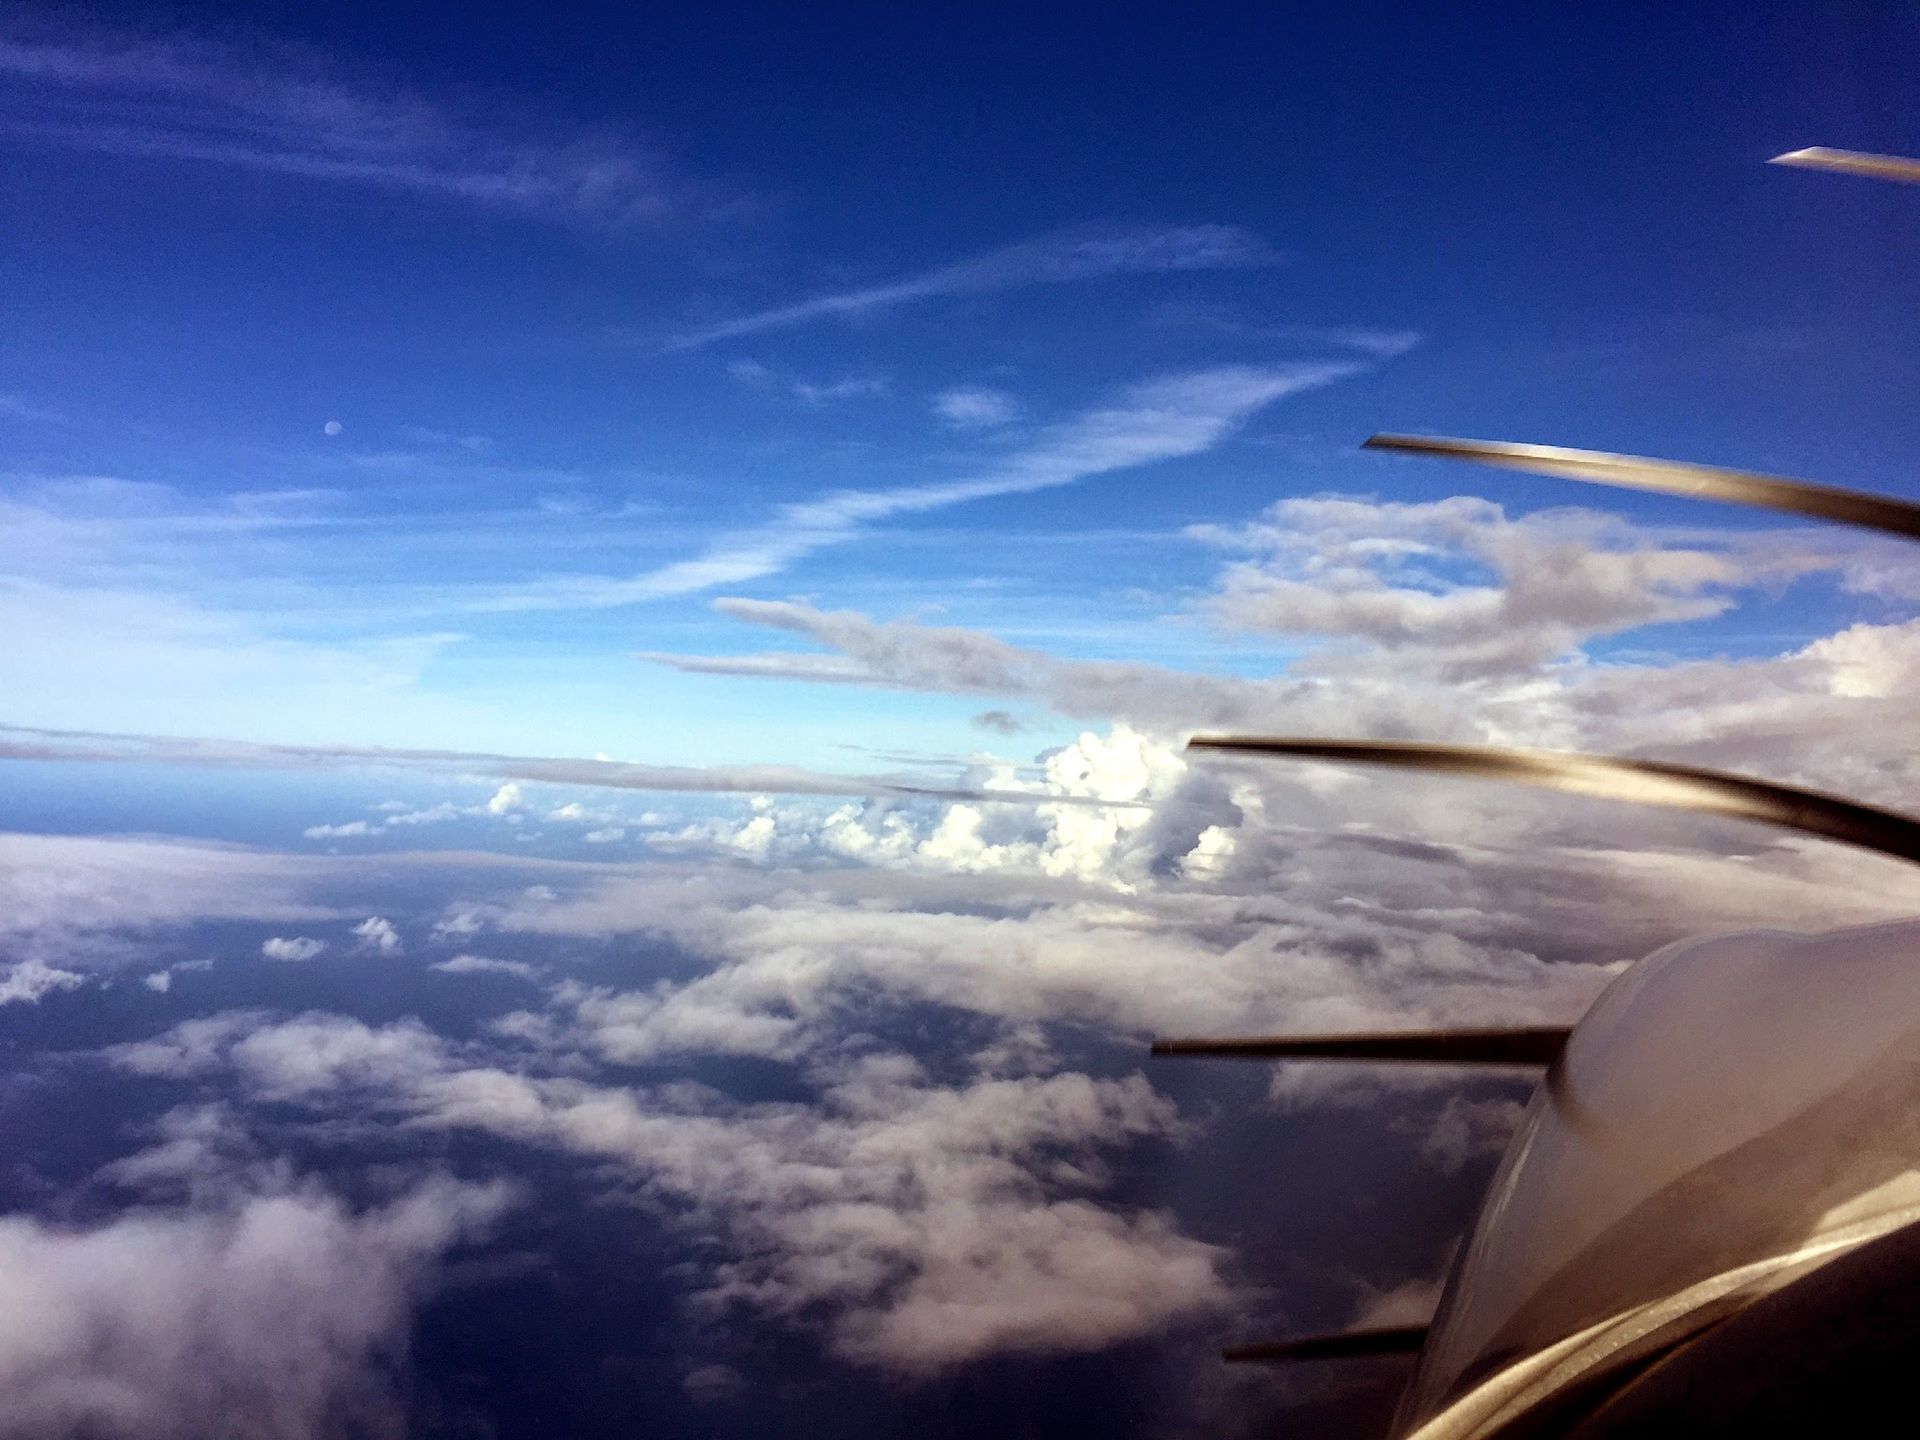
(608,316)
(601,611)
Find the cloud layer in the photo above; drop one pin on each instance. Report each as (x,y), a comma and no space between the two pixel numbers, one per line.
(930,1224)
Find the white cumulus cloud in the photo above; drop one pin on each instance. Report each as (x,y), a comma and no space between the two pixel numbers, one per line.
(377,933)
(291,947)
(30,980)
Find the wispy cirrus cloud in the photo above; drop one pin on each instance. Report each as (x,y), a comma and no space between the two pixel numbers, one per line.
(1379,342)
(18,407)
(1162,419)
(1091,252)
(289,112)
(811,392)
(975,407)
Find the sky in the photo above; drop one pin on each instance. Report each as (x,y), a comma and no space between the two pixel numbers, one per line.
(600,616)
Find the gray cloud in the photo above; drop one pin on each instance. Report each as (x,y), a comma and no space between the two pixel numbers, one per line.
(1349,569)
(1468,1129)
(1333,568)
(947,659)
(1088,253)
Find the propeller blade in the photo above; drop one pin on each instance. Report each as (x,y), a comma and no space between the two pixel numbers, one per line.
(1645,782)
(1670,477)
(1852,162)
(1397,1340)
(1536,1046)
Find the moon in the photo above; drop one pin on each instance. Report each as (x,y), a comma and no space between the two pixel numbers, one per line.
(332,427)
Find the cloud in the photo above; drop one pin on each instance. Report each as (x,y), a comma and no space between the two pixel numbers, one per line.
(915,1216)
(1448,621)
(852,387)
(796,956)
(1382,344)
(29,981)
(318,1053)
(1468,1129)
(711,1383)
(811,392)
(80,643)
(507,803)
(19,408)
(1383,573)
(377,934)
(1087,253)
(973,407)
(1222,899)
(294,948)
(429,815)
(926,1225)
(1411,1303)
(25,743)
(1163,419)
(350,830)
(952,660)
(1058,834)
(473,444)
(1255,898)
(286,112)
(481,965)
(281,1313)
(161,981)
(86,901)
(998,721)
(193,1047)
(1836,714)
(919,1217)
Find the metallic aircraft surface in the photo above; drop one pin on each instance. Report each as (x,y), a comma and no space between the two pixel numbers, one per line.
(1708,1219)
